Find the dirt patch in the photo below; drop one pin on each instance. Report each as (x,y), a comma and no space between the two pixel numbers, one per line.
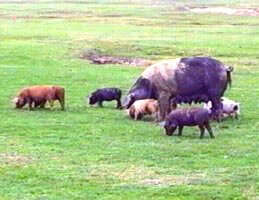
(146,176)
(127,174)
(14,159)
(17,2)
(222,10)
(113,15)
(49,15)
(97,58)
(80,2)
(168,181)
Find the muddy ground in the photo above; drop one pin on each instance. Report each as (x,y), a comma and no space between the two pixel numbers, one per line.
(222,10)
(97,58)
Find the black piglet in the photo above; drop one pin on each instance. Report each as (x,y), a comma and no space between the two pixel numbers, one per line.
(106,94)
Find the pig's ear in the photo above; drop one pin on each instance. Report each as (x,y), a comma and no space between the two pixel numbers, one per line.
(15,100)
(132,97)
(173,124)
(162,123)
(167,123)
(87,98)
(128,101)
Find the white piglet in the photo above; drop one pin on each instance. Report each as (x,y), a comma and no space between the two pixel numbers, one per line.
(230,107)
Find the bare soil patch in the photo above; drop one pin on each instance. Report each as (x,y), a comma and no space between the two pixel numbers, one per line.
(145,176)
(98,58)
(222,10)
(14,159)
(80,2)
(17,2)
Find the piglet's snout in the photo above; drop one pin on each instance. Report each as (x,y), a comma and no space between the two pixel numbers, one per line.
(235,108)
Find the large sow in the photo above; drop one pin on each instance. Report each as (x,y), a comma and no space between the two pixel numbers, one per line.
(183,80)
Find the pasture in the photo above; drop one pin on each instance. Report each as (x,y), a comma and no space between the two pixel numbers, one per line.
(100,153)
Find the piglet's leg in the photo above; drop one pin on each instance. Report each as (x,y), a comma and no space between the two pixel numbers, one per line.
(207,125)
(119,103)
(135,115)
(30,101)
(217,109)
(100,103)
(42,105)
(202,130)
(173,106)
(180,129)
(51,103)
(30,105)
(139,116)
(62,103)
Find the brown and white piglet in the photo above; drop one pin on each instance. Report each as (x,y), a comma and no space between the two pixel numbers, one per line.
(143,107)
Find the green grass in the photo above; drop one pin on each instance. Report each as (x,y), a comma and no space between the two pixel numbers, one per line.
(99,153)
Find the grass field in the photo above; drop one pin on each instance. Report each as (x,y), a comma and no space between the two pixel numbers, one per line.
(99,153)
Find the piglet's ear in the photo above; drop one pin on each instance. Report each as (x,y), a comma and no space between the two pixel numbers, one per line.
(162,123)
(128,101)
(132,97)
(15,100)
(173,124)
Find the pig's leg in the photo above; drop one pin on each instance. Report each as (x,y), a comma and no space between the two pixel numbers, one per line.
(42,105)
(202,130)
(100,103)
(139,116)
(61,98)
(30,101)
(180,129)
(207,125)
(173,106)
(217,109)
(30,105)
(119,103)
(62,103)
(236,115)
(135,115)
(51,103)
(35,104)
(164,105)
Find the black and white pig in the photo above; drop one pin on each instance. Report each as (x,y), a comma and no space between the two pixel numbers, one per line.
(183,80)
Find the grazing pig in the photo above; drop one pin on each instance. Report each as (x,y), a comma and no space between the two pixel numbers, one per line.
(188,117)
(183,80)
(39,95)
(229,107)
(106,94)
(143,107)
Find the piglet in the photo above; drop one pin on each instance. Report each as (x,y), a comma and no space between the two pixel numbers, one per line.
(105,94)
(188,117)
(39,95)
(229,108)
(143,107)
